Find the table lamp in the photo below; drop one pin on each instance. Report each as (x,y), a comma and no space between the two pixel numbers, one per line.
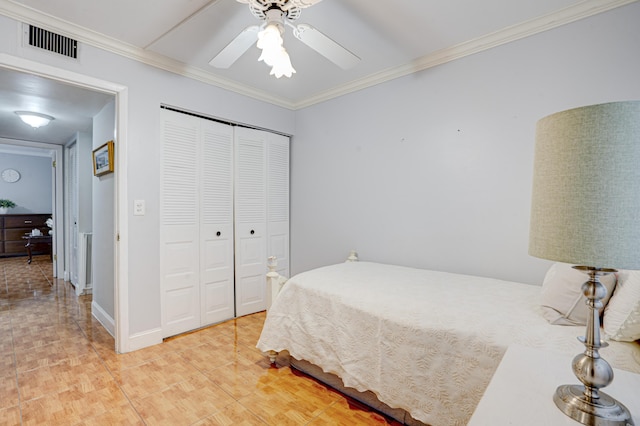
(586,211)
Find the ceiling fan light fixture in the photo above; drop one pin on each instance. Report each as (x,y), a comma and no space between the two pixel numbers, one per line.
(275,14)
(34,119)
(283,65)
(273,52)
(270,38)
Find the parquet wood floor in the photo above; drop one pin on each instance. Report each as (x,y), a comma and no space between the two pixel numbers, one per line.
(58,367)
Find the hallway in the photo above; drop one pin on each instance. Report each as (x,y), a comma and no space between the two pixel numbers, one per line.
(58,367)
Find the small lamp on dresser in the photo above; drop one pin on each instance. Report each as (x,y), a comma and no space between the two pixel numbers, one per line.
(586,211)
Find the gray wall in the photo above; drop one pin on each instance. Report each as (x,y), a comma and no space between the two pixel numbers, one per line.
(84,148)
(103,196)
(434,169)
(33,192)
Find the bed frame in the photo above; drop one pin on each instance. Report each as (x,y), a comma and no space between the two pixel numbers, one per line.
(478,345)
(275,283)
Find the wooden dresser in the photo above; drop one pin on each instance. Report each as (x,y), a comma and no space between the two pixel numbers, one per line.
(14,226)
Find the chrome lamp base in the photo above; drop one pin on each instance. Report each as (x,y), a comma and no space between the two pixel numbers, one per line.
(586,404)
(606,411)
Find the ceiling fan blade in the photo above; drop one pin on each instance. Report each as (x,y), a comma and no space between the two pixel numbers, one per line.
(236,48)
(325,46)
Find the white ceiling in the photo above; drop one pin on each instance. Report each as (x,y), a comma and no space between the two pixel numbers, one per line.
(73,107)
(392,38)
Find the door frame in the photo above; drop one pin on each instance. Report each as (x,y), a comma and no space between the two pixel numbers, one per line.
(121,246)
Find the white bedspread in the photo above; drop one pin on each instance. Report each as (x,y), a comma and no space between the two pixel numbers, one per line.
(424,341)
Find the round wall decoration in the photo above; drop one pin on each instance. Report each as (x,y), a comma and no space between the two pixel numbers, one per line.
(10,175)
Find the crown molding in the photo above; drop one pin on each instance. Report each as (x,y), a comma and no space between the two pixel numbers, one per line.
(528,28)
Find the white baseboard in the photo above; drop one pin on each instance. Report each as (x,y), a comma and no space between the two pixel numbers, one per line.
(103,317)
(145,339)
(133,343)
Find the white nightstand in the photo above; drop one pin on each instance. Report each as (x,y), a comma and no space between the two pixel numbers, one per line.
(521,390)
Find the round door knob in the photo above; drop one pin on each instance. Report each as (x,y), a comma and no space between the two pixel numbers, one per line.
(218,233)
(253,232)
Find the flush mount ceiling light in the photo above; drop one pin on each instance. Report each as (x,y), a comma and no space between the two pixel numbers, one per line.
(276,14)
(34,119)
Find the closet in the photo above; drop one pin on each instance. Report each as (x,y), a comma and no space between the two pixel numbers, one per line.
(224,209)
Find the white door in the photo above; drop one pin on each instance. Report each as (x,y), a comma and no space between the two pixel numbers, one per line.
(214,220)
(216,223)
(250,220)
(278,201)
(72,187)
(179,238)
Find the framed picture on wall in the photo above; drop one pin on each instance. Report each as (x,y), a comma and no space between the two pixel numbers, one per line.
(103,159)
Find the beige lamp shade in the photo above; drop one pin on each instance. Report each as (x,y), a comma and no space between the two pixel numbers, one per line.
(586,187)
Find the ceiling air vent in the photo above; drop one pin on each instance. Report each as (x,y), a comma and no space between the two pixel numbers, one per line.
(53,42)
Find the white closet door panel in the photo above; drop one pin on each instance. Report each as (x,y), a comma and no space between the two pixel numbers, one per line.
(278,201)
(250,220)
(251,283)
(251,268)
(217,173)
(216,277)
(278,178)
(179,192)
(250,294)
(250,170)
(278,246)
(216,224)
(179,216)
(180,281)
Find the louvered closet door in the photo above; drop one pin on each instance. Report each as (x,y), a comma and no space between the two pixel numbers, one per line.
(250,220)
(278,201)
(216,224)
(179,217)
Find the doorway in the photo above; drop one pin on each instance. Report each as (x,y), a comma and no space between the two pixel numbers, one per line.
(119,249)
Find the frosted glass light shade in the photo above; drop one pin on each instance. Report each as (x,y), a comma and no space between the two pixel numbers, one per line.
(585,206)
(34,119)
(273,52)
(269,39)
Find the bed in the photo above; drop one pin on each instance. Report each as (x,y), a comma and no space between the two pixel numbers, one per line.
(423,344)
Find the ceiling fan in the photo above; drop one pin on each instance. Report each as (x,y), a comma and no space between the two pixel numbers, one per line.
(276,14)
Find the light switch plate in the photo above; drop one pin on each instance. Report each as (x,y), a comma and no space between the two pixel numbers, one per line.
(139,208)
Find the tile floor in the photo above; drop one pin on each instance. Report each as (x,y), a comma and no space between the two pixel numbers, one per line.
(58,367)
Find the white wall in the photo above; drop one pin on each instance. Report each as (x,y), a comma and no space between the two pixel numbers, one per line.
(103,220)
(84,148)
(434,169)
(148,88)
(33,192)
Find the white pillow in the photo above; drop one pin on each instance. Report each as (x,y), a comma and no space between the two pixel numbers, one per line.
(562,300)
(622,313)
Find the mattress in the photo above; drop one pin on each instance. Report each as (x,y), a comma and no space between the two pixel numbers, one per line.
(423,341)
